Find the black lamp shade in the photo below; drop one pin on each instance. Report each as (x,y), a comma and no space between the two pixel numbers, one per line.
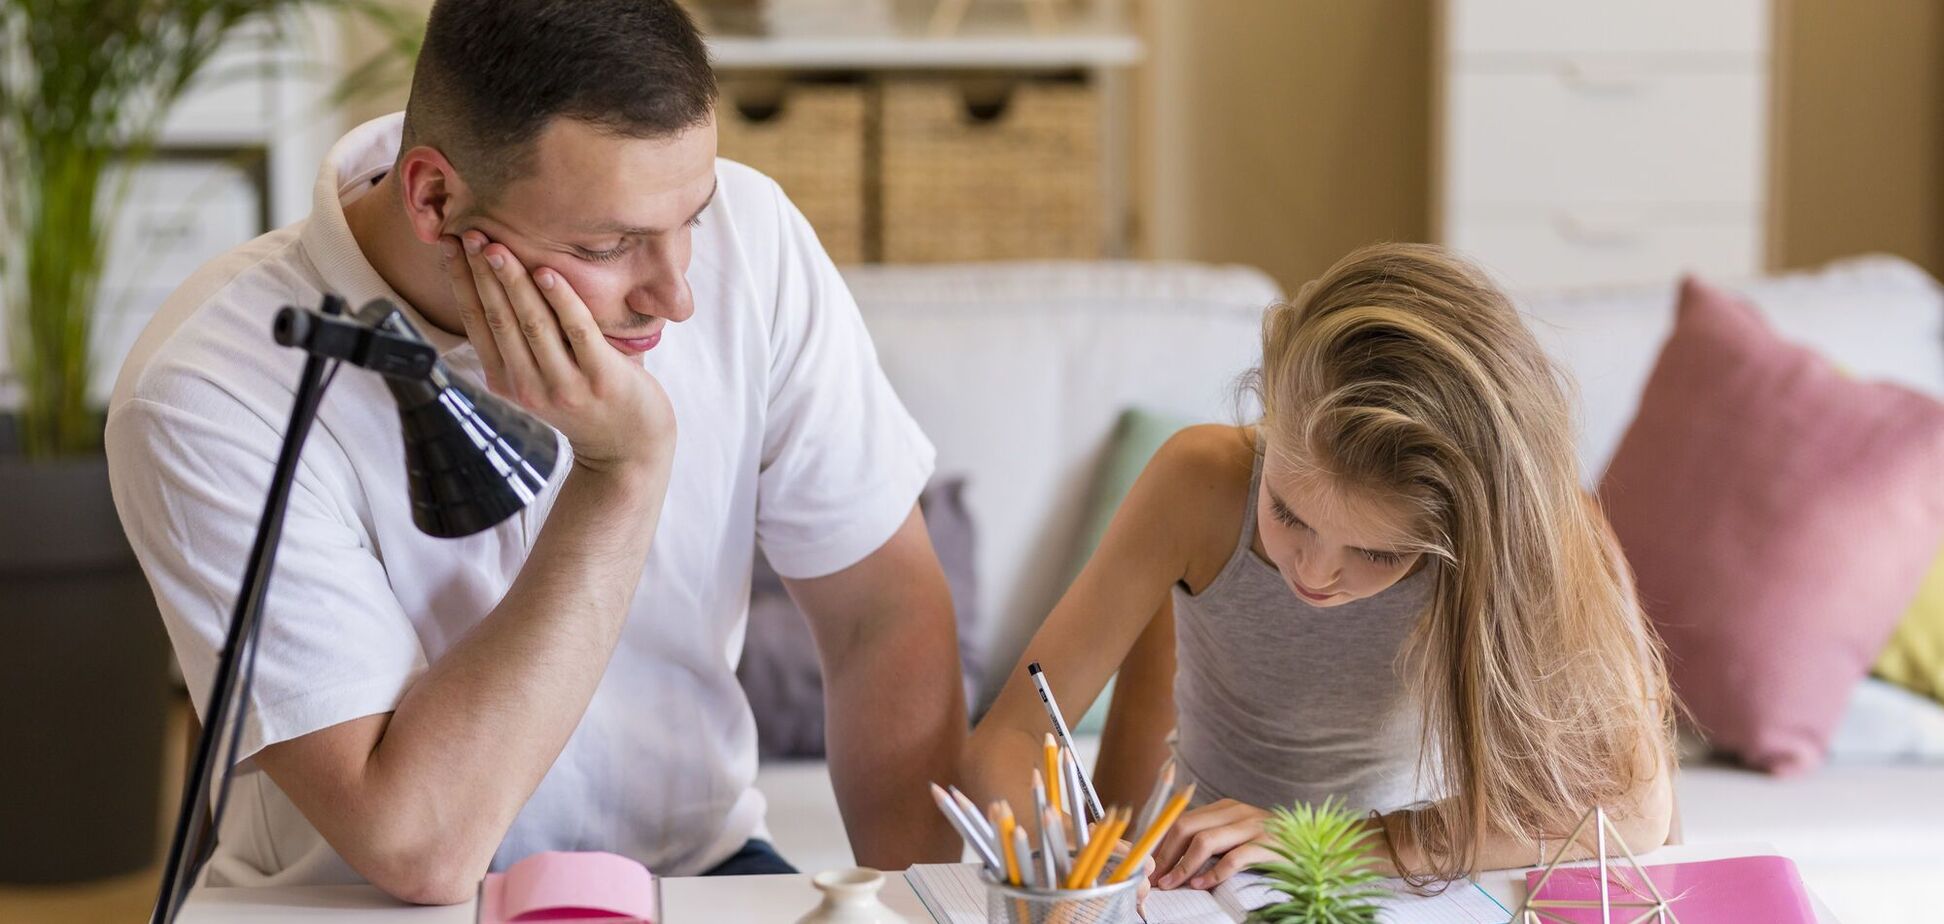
(471,458)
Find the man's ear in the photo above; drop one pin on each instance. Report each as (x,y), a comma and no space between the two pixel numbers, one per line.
(433,191)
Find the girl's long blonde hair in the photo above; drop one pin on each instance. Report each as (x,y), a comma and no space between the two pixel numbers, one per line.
(1404,371)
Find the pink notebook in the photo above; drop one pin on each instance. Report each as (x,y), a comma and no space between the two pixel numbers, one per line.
(560,887)
(1733,891)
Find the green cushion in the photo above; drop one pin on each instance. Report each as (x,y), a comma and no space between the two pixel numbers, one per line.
(1137,437)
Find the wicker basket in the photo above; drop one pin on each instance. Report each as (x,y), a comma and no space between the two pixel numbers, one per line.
(1021,181)
(810,139)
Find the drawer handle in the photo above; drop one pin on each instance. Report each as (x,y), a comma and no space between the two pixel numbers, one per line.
(1600,231)
(1604,81)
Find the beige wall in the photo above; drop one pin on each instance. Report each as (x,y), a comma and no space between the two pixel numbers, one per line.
(1282,133)
(1860,131)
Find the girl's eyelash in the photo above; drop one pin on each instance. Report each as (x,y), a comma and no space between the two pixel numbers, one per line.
(1381,558)
(1288,519)
(696,222)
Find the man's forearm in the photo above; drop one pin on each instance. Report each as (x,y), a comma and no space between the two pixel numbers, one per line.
(478,731)
(895,720)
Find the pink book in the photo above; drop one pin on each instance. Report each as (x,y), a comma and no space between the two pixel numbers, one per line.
(1733,891)
(560,887)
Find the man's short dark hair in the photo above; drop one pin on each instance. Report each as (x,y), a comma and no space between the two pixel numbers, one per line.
(492,73)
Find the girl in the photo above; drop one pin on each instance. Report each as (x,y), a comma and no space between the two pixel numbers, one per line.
(1389,590)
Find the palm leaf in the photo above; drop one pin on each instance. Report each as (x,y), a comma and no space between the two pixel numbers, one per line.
(84,87)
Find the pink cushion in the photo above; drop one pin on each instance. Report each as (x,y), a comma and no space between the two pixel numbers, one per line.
(1779,517)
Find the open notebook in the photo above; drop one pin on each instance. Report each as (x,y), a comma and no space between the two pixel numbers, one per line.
(953,894)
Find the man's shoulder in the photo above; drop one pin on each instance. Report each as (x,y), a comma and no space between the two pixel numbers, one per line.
(745,187)
(217,321)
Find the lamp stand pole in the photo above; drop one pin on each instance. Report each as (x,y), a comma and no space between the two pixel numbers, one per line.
(229,695)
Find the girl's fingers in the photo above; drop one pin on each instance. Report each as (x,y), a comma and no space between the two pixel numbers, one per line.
(1206,846)
(1191,824)
(1235,861)
(523,383)
(538,327)
(471,315)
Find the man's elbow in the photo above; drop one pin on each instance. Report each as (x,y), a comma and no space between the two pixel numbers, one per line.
(426,873)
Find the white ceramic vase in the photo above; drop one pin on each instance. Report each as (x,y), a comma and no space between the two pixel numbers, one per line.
(850,896)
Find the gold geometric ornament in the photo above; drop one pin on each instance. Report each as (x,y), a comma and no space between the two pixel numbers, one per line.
(1651,906)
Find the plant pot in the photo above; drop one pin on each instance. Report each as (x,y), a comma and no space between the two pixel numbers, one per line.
(84,687)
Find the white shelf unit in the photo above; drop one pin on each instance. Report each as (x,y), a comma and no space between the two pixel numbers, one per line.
(1588,143)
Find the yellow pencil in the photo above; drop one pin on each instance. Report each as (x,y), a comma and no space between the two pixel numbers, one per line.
(1152,836)
(1109,838)
(1052,752)
(1084,858)
(1004,824)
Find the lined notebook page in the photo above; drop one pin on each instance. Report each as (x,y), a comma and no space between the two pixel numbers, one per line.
(954,894)
(1460,903)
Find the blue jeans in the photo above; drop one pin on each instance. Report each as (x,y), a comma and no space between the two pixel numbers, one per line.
(756,858)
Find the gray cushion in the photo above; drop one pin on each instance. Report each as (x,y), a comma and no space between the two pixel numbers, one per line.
(780,672)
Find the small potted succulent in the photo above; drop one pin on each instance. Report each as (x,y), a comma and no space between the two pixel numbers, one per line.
(1324,867)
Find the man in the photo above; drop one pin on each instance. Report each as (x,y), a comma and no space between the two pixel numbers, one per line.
(554,219)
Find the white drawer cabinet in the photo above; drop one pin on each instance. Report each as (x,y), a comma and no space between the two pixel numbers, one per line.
(1608,27)
(1565,248)
(1622,136)
(1584,142)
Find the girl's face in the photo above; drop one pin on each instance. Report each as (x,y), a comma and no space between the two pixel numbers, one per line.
(1332,545)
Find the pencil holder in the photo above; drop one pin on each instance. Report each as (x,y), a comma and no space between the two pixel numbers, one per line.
(1108,904)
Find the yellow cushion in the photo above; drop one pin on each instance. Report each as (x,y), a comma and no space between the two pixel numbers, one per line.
(1915,655)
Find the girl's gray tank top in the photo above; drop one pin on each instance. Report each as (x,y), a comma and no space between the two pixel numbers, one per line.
(1278,701)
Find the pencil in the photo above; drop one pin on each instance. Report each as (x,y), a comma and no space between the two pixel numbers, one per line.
(1039,795)
(1163,785)
(1064,737)
(1051,751)
(964,827)
(1005,825)
(1104,842)
(1070,763)
(972,814)
(1023,856)
(1152,836)
(1056,847)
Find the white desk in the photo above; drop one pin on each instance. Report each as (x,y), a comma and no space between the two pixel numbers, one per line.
(780,899)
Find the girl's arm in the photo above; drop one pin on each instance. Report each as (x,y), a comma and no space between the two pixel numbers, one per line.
(1231,835)
(1134,743)
(1643,822)
(1153,542)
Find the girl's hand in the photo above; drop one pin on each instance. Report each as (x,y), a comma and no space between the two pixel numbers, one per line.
(1230,830)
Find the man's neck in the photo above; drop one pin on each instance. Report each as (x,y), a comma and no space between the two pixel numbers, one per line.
(410,266)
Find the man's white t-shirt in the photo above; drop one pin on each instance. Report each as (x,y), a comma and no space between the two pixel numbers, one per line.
(789,436)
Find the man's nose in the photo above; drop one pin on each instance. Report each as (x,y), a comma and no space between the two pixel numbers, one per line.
(663,289)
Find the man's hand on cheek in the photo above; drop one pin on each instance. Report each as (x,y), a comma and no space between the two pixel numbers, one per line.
(541,349)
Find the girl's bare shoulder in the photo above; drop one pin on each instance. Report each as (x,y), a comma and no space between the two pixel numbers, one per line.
(1202,474)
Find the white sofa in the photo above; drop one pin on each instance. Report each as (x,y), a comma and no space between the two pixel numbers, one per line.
(1019,371)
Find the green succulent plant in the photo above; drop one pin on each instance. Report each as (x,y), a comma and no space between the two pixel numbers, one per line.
(1323,869)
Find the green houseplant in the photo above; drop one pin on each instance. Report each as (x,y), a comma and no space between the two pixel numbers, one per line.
(1323,867)
(84,87)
